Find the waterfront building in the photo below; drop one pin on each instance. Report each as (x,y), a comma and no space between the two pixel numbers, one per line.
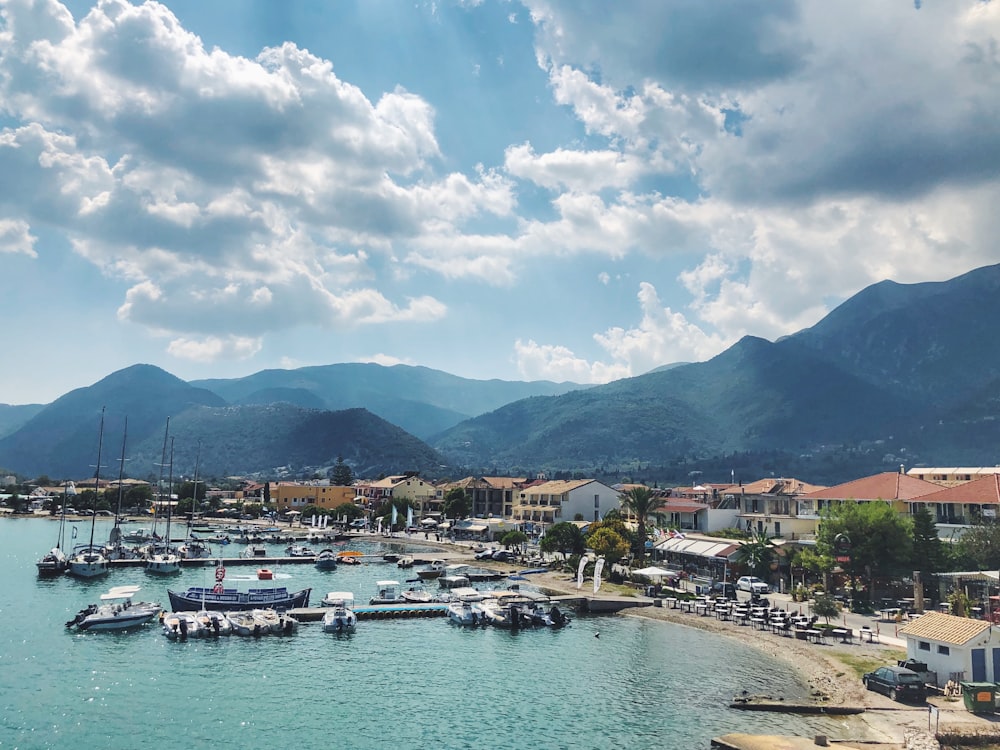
(287,496)
(777,507)
(955,648)
(952,476)
(543,503)
(954,509)
(426,498)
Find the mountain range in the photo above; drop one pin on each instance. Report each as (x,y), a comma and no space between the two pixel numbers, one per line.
(896,374)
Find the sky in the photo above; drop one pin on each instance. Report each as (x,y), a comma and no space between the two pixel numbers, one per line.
(565,190)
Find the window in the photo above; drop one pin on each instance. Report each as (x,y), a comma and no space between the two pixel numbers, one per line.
(943,650)
(923,645)
(597,501)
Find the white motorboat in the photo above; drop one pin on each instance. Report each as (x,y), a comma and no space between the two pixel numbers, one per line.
(254,550)
(387,592)
(116,611)
(212,623)
(417,594)
(326,560)
(179,626)
(434,569)
(245,623)
(139,536)
(404,562)
(194,549)
(341,617)
(453,581)
(53,563)
(299,550)
(467,613)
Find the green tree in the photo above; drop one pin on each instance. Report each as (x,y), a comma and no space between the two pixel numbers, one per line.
(609,545)
(881,540)
(564,537)
(640,502)
(979,546)
(825,606)
(267,493)
(341,474)
(514,538)
(756,555)
(348,509)
(457,503)
(928,555)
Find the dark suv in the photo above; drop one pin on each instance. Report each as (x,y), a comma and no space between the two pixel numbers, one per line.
(727,590)
(898,683)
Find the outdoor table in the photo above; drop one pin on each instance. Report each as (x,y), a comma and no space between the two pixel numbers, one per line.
(686,605)
(701,608)
(867,634)
(816,636)
(671,602)
(741,618)
(844,634)
(759,623)
(889,614)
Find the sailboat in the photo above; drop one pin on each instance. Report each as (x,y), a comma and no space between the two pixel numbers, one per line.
(55,562)
(194,548)
(162,560)
(116,549)
(88,561)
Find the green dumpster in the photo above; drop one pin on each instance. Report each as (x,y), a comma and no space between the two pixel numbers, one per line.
(980,697)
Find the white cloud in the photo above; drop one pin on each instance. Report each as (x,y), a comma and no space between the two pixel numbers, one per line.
(213,348)
(16,237)
(387,360)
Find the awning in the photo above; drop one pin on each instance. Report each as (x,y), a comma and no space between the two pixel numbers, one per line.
(698,547)
(474,527)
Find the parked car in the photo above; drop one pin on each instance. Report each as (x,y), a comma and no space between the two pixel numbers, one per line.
(753,584)
(504,556)
(358,523)
(486,554)
(899,683)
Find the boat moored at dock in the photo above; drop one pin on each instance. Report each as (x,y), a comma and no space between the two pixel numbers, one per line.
(199,597)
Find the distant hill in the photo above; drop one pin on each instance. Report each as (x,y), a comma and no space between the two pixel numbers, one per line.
(13,417)
(422,401)
(897,372)
(61,439)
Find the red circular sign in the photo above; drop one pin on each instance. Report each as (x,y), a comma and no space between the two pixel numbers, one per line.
(220,573)
(218,589)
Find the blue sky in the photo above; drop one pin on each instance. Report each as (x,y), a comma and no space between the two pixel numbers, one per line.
(519,190)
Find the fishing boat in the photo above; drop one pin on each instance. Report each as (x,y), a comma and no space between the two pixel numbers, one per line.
(226,599)
(341,617)
(116,611)
(326,560)
(88,560)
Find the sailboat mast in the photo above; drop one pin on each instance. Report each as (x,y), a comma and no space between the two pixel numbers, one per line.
(170,493)
(159,483)
(97,478)
(121,477)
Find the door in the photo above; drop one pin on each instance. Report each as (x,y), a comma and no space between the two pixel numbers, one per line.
(996,664)
(979,665)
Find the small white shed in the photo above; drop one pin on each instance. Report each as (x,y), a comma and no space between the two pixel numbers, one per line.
(957,648)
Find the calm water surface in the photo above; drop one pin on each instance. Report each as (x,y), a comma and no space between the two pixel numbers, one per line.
(608,681)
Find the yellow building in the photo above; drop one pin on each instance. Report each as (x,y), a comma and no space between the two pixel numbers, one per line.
(295,496)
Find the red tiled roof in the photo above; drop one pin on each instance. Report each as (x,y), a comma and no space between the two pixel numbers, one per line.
(771,485)
(890,485)
(677,506)
(983,491)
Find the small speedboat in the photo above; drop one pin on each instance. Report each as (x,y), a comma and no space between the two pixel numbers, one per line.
(117,611)
(326,560)
(418,595)
(299,550)
(341,617)
(179,626)
(212,623)
(466,613)
(434,569)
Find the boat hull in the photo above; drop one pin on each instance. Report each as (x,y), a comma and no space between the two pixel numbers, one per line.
(196,598)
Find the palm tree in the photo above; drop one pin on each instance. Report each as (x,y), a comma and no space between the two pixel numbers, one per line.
(757,554)
(640,502)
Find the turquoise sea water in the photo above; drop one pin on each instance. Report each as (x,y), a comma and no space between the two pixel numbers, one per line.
(606,681)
